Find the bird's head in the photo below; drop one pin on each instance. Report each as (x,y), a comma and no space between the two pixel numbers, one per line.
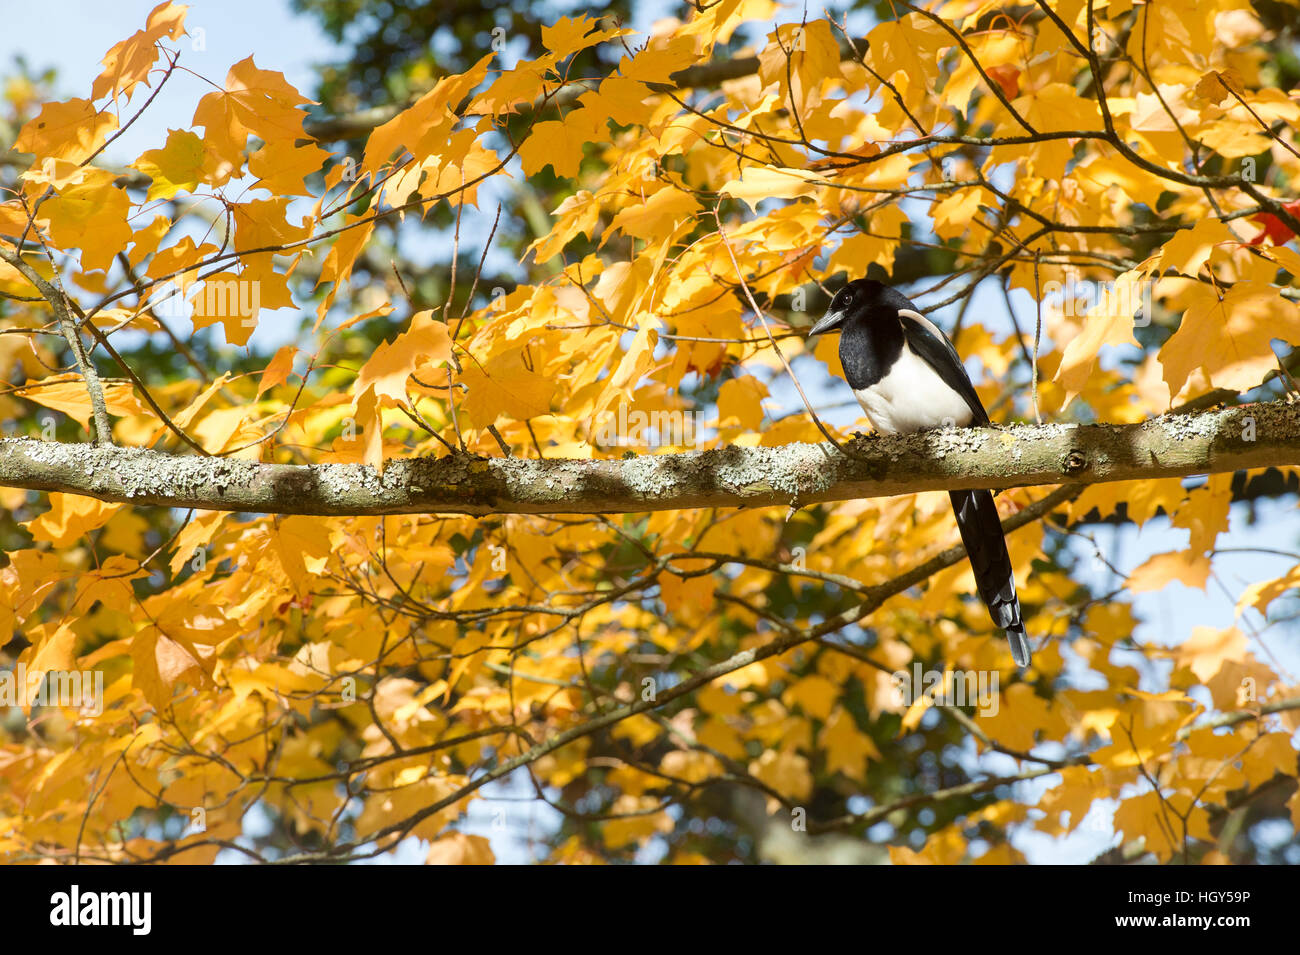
(857,300)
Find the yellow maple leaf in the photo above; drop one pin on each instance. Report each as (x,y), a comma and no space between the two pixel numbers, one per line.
(303,546)
(514,87)
(909,46)
(1188,567)
(688,597)
(69,396)
(71,130)
(91,216)
(1205,512)
(182,163)
(1109,322)
(564,37)
(341,259)
(1189,249)
(69,517)
(785,771)
(952,216)
(254,102)
(199,532)
(559,143)
(282,167)
(128,62)
(1020,714)
(659,215)
(145,241)
(1207,648)
(460,848)
(421,127)
(661,57)
(277,370)
(742,399)
(578,213)
(635,363)
(183,257)
(621,99)
(847,747)
(110,584)
(160,662)
(1141,499)
(1229,336)
(388,368)
(800,58)
(757,183)
(53,648)
(1262,593)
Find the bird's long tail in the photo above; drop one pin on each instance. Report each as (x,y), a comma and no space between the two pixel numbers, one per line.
(981,532)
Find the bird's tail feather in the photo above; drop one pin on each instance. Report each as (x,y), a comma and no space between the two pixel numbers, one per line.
(981,532)
(1019,645)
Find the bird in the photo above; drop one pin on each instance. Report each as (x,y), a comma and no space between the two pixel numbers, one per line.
(908,377)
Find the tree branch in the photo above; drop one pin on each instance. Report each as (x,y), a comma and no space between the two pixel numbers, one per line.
(1173,445)
(356,125)
(53,293)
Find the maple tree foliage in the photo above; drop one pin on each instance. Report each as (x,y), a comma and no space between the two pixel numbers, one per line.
(700,683)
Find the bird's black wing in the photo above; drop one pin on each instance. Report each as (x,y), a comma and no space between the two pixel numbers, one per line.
(933,347)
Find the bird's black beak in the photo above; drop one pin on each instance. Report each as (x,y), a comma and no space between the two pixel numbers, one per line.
(831,320)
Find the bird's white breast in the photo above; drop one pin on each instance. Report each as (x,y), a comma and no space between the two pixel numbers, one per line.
(912,397)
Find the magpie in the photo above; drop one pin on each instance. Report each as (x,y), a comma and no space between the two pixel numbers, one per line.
(908,377)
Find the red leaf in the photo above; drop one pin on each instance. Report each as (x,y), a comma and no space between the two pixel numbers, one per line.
(1007,77)
(1275,228)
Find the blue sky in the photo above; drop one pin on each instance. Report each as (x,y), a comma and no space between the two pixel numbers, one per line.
(270,31)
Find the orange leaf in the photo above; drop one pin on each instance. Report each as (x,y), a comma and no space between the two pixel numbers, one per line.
(70,516)
(1188,567)
(70,130)
(742,399)
(459,848)
(128,63)
(277,370)
(390,366)
(91,216)
(504,385)
(159,663)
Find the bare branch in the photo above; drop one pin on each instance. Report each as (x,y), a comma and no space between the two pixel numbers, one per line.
(58,300)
